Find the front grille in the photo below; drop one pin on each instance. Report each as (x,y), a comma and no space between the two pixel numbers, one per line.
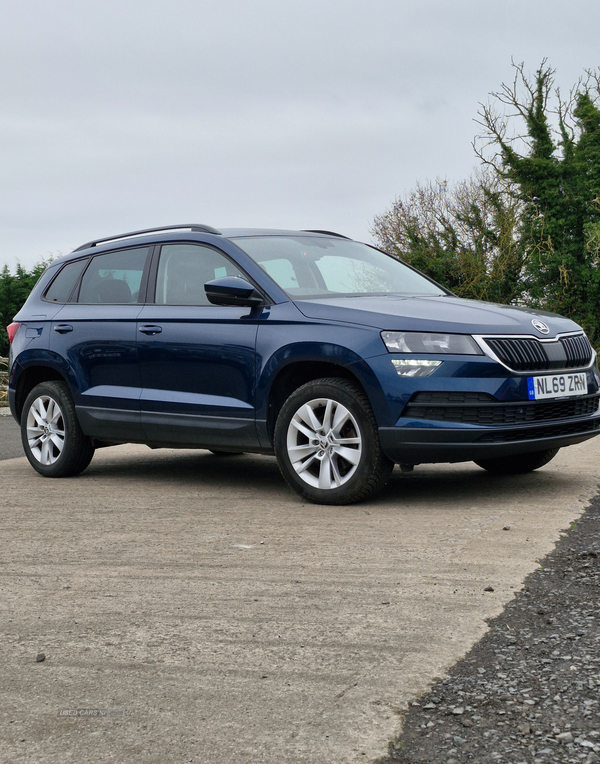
(577,349)
(528,433)
(529,354)
(520,354)
(467,408)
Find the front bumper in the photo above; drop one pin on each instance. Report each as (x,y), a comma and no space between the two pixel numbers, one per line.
(493,417)
(417,445)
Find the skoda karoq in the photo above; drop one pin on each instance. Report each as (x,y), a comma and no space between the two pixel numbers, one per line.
(337,358)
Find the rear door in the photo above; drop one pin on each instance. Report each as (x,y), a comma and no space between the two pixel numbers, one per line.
(197,360)
(96,334)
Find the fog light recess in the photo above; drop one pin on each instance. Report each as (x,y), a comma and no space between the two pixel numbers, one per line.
(415,367)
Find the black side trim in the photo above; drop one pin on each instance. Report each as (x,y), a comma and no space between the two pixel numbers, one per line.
(110,424)
(203,431)
(165,430)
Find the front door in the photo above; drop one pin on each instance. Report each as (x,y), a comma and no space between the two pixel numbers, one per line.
(197,360)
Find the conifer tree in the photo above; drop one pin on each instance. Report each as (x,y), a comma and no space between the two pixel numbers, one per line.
(527,228)
(14,290)
(552,160)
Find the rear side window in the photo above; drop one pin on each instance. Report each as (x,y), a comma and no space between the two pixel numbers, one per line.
(184,269)
(114,278)
(62,286)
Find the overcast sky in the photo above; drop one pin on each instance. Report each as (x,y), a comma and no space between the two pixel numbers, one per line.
(125,114)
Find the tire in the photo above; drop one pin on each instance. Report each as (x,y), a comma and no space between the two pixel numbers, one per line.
(53,441)
(518,464)
(319,426)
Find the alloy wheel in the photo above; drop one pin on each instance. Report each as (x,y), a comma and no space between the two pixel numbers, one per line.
(45,430)
(324,443)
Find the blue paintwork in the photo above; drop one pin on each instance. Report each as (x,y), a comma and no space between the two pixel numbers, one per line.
(431,314)
(201,364)
(205,376)
(102,352)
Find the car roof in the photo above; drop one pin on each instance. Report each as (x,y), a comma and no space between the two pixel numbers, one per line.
(189,231)
(233,233)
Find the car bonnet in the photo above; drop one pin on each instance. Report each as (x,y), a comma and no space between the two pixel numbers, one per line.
(434,314)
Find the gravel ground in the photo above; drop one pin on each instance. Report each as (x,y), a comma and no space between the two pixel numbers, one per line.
(529,691)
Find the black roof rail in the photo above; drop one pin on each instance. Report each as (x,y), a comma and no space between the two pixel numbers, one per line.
(327,233)
(197,227)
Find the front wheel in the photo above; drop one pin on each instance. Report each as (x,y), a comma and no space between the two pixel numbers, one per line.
(327,444)
(53,441)
(518,464)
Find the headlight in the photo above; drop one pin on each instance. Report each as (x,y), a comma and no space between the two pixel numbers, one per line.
(426,342)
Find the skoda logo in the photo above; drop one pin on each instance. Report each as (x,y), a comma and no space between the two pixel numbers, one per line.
(540,326)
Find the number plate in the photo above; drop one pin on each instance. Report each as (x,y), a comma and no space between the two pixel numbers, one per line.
(557,386)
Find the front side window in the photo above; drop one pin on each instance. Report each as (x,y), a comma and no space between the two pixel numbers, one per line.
(114,277)
(184,269)
(311,266)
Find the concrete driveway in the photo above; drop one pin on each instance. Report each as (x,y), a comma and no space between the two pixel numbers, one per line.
(205,614)
(10,436)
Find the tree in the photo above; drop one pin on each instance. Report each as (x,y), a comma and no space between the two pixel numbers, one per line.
(526,227)
(551,157)
(465,236)
(14,290)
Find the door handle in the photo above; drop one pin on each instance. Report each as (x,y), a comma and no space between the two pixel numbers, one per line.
(150,329)
(63,328)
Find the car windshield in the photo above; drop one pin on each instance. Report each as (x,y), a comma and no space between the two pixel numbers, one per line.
(314,266)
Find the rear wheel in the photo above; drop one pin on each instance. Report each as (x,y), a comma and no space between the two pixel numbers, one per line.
(53,441)
(519,463)
(327,444)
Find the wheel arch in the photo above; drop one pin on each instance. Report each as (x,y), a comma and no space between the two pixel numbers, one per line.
(294,375)
(29,378)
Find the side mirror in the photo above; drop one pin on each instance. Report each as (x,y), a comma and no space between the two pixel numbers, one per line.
(232,290)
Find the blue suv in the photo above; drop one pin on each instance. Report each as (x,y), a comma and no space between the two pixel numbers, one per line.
(339,359)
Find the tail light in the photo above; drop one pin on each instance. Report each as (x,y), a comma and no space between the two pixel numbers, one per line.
(11,330)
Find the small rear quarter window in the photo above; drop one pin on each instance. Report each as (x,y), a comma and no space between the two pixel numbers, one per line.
(62,286)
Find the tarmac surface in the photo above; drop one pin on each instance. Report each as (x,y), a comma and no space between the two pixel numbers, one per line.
(192,609)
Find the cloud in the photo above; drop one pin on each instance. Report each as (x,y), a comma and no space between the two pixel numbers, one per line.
(120,115)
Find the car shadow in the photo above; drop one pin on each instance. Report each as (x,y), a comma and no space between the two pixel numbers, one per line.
(244,473)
